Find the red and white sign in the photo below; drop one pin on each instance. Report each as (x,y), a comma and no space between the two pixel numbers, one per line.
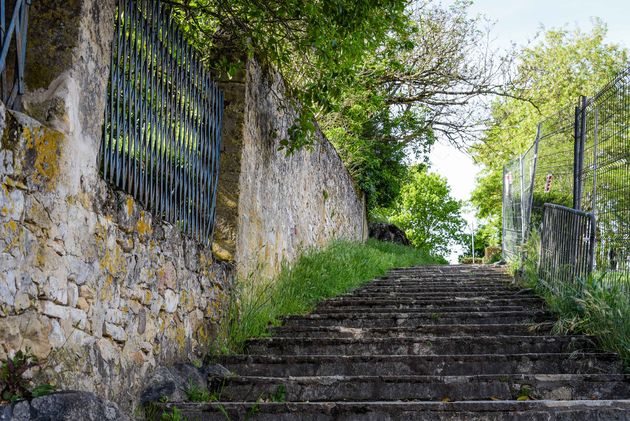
(548,183)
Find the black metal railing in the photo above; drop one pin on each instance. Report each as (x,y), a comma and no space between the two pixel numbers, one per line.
(163,120)
(13,39)
(567,244)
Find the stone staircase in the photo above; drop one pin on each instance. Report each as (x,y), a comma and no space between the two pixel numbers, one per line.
(429,343)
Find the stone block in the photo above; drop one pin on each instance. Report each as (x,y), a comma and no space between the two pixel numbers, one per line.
(54,310)
(83,304)
(8,288)
(78,318)
(114,316)
(116,333)
(73,294)
(56,290)
(86,292)
(6,162)
(171,299)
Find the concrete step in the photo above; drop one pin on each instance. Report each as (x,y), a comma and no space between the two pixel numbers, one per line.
(450,345)
(415,319)
(428,388)
(445,365)
(396,332)
(583,410)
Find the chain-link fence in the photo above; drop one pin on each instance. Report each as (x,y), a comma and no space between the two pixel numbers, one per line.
(581,160)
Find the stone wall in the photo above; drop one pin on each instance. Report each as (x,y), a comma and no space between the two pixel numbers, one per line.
(89,280)
(284,204)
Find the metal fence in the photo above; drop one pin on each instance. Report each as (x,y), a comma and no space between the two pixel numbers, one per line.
(582,161)
(15,29)
(566,244)
(605,176)
(518,179)
(162,131)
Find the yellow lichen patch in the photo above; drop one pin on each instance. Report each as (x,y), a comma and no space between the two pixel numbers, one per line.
(107,292)
(180,337)
(4,211)
(202,334)
(129,206)
(148,296)
(114,262)
(46,144)
(11,225)
(143,226)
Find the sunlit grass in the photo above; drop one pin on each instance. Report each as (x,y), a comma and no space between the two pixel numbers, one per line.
(256,304)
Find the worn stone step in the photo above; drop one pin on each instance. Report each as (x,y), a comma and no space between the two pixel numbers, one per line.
(389,365)
(438,283)
(582,410)
(415,319)
(428,388)
(408,309)
(395,332)
(437,295)
(402,303)
(420,288)
(427,345)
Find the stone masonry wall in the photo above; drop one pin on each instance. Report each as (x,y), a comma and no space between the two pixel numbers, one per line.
(288,204)
(89,280)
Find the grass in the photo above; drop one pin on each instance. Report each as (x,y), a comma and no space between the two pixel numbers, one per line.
(592,306)
(316,275)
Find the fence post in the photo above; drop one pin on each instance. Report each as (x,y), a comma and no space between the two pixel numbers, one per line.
(578,151)
(523,224)
(503,214)
(533,179)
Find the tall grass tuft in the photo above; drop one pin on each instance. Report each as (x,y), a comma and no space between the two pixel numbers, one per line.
(592,306)
(256,304)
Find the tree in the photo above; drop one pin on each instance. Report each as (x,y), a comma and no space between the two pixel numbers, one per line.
(420,82)
(427,213)
(551,74)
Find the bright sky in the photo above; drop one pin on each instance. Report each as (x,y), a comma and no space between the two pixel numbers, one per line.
(518,22)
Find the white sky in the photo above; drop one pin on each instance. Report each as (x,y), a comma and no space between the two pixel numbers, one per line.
(518,22)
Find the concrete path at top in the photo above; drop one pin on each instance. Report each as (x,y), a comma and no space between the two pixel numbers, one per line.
(426,343)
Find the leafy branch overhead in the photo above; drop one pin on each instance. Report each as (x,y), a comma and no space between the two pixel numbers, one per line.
(412,53)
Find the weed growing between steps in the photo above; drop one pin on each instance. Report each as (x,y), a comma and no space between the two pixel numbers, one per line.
(588,306)
(315,276)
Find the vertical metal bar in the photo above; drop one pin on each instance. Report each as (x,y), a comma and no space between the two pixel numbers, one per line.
(121,128)
(108,127)
(198,144)
(580,162)
(134,114)
(22,48)
(533,180)
(595,168)
(182,133)
(170,121)
(3,18)
(146,42)
(152,141)
(576,158)
(217,161)
(162,151)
